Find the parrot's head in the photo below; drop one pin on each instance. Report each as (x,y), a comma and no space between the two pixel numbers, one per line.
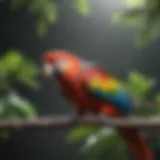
(59,61)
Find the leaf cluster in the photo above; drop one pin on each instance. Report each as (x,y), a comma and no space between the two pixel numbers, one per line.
(145,15)
(46,11)
(16,69)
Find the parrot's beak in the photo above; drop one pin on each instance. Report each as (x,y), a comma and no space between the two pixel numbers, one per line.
(48,70)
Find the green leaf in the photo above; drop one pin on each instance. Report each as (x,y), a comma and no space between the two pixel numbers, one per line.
(14,66)
(34,7)
(27,75)
(134,3)
(132,14)
(80,133)
(128,17)
(41,27)
(145,37)
(21,106)
(6,110)
(50,12)
(149,30)
(139,85)
(82,6)
(46,11)
(29,82)
(11,62)
(145,14)
(95,137)
(109,146)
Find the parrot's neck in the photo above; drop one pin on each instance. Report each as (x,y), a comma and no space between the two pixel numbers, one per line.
(83,66)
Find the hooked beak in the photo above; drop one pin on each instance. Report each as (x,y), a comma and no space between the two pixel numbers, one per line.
(48,70)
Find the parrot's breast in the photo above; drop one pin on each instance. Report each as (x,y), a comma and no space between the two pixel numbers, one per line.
(73,89)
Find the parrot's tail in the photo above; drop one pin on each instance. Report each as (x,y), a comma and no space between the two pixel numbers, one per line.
(136,142)
(132,137)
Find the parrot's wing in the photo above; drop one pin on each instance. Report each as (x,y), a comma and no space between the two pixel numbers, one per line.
(108,89)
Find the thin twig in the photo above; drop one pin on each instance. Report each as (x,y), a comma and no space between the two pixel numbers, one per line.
(64,121)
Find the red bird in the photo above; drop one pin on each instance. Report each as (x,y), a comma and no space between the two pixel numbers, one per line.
(92,89)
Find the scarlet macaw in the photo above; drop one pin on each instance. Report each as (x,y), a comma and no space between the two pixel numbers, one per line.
(92,89)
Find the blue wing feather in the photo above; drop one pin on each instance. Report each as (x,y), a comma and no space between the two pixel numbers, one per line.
(120,98)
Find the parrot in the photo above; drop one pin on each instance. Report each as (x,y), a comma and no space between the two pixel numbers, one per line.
(92,89)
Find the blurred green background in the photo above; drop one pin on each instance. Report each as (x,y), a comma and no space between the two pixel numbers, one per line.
(122,36)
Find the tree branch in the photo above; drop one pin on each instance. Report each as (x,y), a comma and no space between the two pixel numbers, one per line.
(63,121)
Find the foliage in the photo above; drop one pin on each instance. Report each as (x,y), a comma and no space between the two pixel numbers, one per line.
(80,132)
(99,142)
(105,142)
(46,11)
(15,68)
(139,86)
(145,15)
(82,6)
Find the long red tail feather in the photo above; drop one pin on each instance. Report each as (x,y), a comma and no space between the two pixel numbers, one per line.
(136,142)
(132,137)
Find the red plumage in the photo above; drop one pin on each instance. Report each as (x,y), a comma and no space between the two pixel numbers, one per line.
(72,81)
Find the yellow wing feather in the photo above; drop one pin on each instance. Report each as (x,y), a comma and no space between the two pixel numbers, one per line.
(107,84)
